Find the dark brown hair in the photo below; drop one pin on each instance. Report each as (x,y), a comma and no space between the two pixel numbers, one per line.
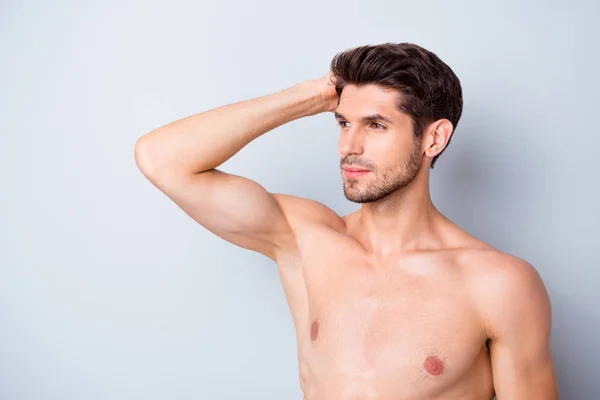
(429,89)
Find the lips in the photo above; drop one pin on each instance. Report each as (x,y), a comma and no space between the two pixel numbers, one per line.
(354,172)
(354,169)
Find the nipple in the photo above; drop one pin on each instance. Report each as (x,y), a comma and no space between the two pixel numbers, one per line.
(314,331)
(433,365)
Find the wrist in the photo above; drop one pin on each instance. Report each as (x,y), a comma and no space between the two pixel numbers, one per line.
(308,90)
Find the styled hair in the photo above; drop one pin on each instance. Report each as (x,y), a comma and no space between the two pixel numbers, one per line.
(429,89)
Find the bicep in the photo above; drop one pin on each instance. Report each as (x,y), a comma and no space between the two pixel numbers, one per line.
(232,207)
(522,373)
(520,349)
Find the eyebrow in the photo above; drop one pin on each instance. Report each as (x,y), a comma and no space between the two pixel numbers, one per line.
(367,118)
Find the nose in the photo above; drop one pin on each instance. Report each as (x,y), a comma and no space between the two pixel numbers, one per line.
(351,142)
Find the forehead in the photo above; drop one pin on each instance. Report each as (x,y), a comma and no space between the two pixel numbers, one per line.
(356,101)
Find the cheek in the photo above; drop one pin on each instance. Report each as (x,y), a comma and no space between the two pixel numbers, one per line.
(393,161)
(388,154)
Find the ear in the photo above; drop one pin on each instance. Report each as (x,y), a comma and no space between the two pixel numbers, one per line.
(437,137)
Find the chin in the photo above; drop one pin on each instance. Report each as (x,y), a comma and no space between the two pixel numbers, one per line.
(361,196)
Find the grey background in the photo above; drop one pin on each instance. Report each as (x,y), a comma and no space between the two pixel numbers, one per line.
(109,291)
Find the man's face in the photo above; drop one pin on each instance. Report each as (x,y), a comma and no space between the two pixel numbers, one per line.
(386,148)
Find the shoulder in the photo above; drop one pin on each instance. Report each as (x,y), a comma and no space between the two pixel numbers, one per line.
(304,216)
(507,290)
(491,266)
(300,210)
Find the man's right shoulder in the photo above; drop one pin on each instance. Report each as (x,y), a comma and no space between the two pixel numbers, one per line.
(302,213)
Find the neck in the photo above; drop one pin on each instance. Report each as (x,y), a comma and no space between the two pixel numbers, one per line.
(404,221)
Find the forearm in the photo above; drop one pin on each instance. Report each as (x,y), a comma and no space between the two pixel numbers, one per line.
(206,140)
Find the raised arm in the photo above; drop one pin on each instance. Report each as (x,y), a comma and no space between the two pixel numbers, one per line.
(181,158)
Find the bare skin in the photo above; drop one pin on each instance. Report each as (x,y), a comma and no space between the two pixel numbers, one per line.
(393,301)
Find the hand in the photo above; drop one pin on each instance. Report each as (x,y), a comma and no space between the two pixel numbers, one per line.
(327,93)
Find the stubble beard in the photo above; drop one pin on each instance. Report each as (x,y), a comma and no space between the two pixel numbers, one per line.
(389,180)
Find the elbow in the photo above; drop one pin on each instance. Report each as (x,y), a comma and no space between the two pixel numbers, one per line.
(154,163)
(151,158)
(143,157)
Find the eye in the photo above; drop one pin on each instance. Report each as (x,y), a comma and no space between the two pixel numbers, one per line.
(377,123)
(341,123)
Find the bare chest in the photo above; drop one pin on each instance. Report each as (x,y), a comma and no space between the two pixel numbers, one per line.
(402,328)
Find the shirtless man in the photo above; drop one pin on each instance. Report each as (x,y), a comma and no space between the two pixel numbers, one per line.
(393,301)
